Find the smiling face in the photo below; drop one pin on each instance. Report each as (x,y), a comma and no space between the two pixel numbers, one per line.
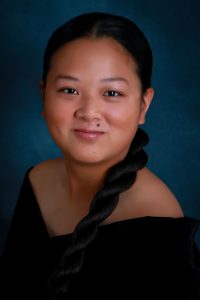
(92,84)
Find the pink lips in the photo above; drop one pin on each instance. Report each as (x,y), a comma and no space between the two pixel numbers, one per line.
(88,134)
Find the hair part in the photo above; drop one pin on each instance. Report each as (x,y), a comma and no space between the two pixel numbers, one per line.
(98,25)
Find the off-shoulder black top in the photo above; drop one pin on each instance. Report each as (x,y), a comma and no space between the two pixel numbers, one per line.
(139,258)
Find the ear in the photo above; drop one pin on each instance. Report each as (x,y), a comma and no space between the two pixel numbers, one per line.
(145,103)
(42,93)
(42,89)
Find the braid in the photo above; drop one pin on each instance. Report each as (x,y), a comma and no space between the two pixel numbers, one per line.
(120,178)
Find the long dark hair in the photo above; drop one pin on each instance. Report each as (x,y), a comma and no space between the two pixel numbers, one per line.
(122,175)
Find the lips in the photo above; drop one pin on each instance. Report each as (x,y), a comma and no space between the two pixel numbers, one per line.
(89,135)
(88,131)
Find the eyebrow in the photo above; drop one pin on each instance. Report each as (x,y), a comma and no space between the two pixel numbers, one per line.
(68,77)
(111,79)
(108,79)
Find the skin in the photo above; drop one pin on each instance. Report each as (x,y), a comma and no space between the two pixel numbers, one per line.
(83,102)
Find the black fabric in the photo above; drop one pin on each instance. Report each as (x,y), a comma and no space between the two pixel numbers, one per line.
(140,258)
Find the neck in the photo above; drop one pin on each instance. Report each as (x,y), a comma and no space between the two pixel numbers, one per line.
(82,182)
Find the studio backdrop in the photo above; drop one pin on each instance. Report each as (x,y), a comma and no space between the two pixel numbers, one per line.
(172,122)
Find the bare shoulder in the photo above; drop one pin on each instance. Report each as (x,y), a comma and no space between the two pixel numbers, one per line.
(37,173)
(153,197)
(42,177)
(43,168)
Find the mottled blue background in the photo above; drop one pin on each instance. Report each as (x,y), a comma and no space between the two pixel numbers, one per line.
(173,120)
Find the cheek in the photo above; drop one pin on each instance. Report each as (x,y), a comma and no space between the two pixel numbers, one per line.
(56,111)
(125,119)
(57,121)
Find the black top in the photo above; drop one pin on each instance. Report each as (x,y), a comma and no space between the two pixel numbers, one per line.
(139,258)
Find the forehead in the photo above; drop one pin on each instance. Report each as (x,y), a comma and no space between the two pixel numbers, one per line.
(87,52)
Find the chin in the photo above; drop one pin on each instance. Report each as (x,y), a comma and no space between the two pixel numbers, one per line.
(91,157)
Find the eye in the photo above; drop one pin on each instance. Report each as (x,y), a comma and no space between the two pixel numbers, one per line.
(69,91)
(112,93)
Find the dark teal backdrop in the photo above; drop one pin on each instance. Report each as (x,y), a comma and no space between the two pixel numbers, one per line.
(173,121)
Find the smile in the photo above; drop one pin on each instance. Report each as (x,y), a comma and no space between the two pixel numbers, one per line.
(87,134)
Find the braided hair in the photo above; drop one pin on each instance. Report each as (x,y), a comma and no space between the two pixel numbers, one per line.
(120,176)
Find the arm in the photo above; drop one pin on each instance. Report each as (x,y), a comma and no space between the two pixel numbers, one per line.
(24,246)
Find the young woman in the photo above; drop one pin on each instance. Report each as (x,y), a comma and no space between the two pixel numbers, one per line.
(96,223)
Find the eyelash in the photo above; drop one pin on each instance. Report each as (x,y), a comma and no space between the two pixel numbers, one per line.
(109,91)
(63,90)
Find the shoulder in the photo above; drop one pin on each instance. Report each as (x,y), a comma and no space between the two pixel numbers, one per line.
(42,177)
(148,196)
(43,170)
(151,196)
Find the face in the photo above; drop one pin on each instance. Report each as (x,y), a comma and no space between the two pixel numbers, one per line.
(92,85)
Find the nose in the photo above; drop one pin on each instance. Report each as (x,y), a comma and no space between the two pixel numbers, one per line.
(88,110)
